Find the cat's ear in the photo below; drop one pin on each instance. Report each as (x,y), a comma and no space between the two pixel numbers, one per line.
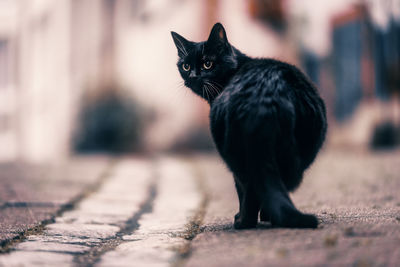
(181,44)
(217,35)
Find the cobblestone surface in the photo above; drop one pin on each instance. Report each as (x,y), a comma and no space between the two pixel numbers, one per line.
(174,211)
(354,194)
(161,232)
(32,194)
(111,206)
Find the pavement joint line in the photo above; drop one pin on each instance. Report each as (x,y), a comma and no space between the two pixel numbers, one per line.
(94,254)
(28,205)
(61,252)
(194,225)
(7,246)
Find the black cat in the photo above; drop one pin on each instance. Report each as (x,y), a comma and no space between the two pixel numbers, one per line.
(267,120)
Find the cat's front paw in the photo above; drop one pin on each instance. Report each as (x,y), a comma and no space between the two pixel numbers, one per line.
(243,224)
(265,216)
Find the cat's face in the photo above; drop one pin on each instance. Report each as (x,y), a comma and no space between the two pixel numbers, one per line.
(206,67)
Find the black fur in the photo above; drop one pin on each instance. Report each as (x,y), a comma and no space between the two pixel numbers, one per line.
(267,120)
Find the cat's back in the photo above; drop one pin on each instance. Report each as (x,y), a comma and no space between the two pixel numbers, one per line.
(266,96)
(259,83)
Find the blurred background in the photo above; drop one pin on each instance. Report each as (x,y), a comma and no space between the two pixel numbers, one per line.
(87,76)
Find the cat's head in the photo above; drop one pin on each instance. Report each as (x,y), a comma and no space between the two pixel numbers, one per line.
(207,66)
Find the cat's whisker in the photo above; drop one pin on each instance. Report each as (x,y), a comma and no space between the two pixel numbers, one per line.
(179,94)
(211,91)
(216,89)
(213,88)
(207,90)
(219,86)
(181,87)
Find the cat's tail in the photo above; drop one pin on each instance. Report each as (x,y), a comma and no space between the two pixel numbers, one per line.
(262,167)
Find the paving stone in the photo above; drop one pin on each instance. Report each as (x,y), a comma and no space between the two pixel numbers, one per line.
(30,194)
(17,220)
(93,221)
(152,251)
(51,247)
(65,240)
(36,258)
(92,218)
(82,231)
(159,236)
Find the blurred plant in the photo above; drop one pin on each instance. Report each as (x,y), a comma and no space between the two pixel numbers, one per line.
(385,136)
(110,120)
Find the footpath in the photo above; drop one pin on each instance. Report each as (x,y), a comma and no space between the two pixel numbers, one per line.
(178,211)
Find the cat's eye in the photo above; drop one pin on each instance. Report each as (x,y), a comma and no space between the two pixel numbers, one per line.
(207,65)
(185,67)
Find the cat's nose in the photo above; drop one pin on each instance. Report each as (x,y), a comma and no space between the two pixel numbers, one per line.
(192,74)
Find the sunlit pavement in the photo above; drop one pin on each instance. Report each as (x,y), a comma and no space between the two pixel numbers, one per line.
(178,211)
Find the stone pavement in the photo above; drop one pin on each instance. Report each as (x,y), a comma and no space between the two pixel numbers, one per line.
(178,211)
(32,195)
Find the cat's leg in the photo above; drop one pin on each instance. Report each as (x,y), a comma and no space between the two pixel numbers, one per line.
(265,216)
(276,202)
(239,191)
(249,206)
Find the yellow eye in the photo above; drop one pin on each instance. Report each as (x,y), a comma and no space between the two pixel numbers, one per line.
(207,65)
(185,67)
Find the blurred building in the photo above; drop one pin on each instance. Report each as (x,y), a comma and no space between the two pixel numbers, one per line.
(45,63)
(8,86)
(351,50)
